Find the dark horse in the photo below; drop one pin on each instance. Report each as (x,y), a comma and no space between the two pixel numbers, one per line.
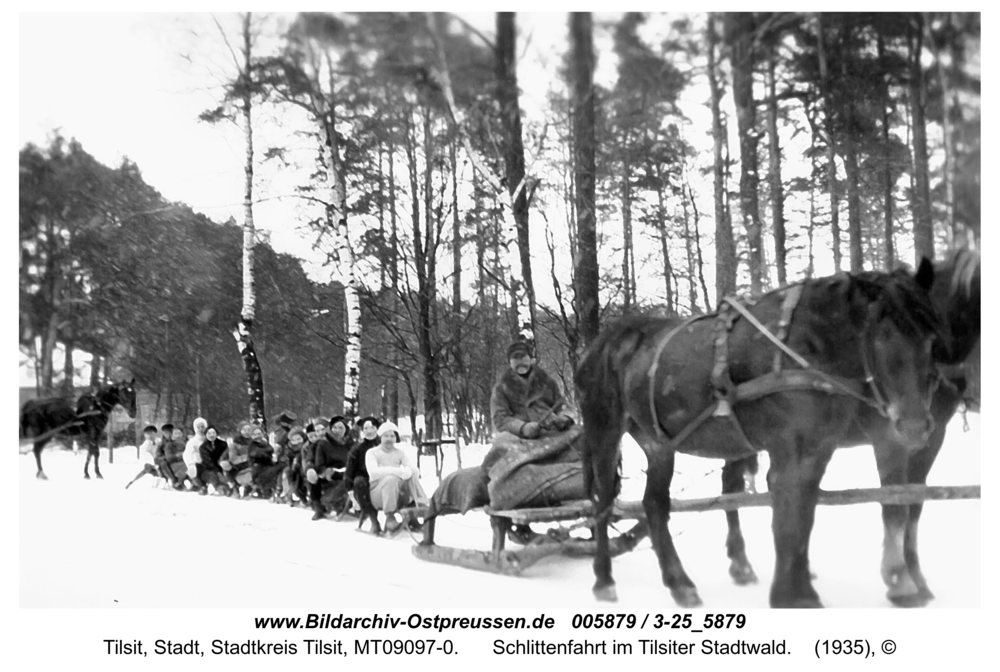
(786,374)
(956,299)
(51,417)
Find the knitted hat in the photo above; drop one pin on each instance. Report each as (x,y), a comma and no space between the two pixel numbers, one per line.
(339,418)
(520,348)
(241,424)
(199,421)
(387,427)
(167,427)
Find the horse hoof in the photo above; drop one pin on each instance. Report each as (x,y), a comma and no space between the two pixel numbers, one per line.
(743,575)
(686,596)
(98,476)
(606,593)
(41,476)
(86,475)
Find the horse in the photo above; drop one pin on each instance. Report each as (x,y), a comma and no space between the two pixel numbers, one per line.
(729,386)
(955,296)
(51,417)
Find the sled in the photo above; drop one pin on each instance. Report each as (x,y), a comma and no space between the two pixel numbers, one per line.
(513,562)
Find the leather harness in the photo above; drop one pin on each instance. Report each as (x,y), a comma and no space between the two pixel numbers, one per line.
(727,393)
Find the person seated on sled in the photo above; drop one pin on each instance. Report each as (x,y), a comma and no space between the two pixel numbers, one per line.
(290,479)
(147,454)
(528,404)
(265,472)
(532,461)
(395,482)
(192,453)
(170,457)
(236,462)
(356,474)
(325,462)
(210,471)
(284,421)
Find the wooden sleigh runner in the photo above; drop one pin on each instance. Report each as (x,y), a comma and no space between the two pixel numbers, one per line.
(513,562)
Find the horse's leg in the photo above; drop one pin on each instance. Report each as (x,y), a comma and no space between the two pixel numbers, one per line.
(920,466)
(39,445)
(793,481)
(733,475)
(656,502)
(86,464)
(900,560)
(893,469)
(603,463)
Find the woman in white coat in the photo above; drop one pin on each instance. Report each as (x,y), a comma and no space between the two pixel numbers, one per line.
(395,482)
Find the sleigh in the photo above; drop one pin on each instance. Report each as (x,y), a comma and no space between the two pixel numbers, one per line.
(580,514)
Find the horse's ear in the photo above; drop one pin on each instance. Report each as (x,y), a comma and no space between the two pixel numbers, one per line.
(925,274)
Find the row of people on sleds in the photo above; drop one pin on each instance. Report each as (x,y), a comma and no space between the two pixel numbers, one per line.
(319,464)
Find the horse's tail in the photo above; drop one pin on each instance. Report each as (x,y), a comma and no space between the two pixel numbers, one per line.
(601,396)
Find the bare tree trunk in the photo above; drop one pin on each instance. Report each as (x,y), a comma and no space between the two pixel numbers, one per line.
(424,258)
(512,259)
(244,329)
(585,267)
(740,32)
(890,249)
(510,109)
(668,270)
(831,145)
(923,226)
(461,386)
(725,246)
(68,370)
(853,179)
(946,127)
(394,277)
(774,172)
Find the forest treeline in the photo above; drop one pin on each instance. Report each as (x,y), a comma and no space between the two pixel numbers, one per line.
(882,110)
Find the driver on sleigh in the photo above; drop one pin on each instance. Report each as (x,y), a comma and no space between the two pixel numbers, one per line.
(533,461)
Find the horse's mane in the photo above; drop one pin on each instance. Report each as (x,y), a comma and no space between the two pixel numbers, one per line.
(904,301)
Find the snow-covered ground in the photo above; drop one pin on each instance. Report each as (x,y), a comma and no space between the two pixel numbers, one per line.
(94,544)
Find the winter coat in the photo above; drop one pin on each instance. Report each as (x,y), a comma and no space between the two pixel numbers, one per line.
(171,451)
(356,460)
(518,400)
(239,453)
(328,452)
(211,452)
(261,453)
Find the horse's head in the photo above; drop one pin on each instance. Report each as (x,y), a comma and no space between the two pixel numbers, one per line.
(126,396)
(956,299)
(900,331)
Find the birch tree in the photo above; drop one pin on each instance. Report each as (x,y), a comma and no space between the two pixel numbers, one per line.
(505,197)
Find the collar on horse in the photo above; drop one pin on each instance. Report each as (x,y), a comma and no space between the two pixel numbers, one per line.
(777,380)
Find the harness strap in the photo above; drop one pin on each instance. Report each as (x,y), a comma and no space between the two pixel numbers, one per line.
(656,365)
(792,295)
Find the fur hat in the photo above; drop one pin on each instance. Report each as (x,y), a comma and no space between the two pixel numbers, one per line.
(387,427)
(520,348)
